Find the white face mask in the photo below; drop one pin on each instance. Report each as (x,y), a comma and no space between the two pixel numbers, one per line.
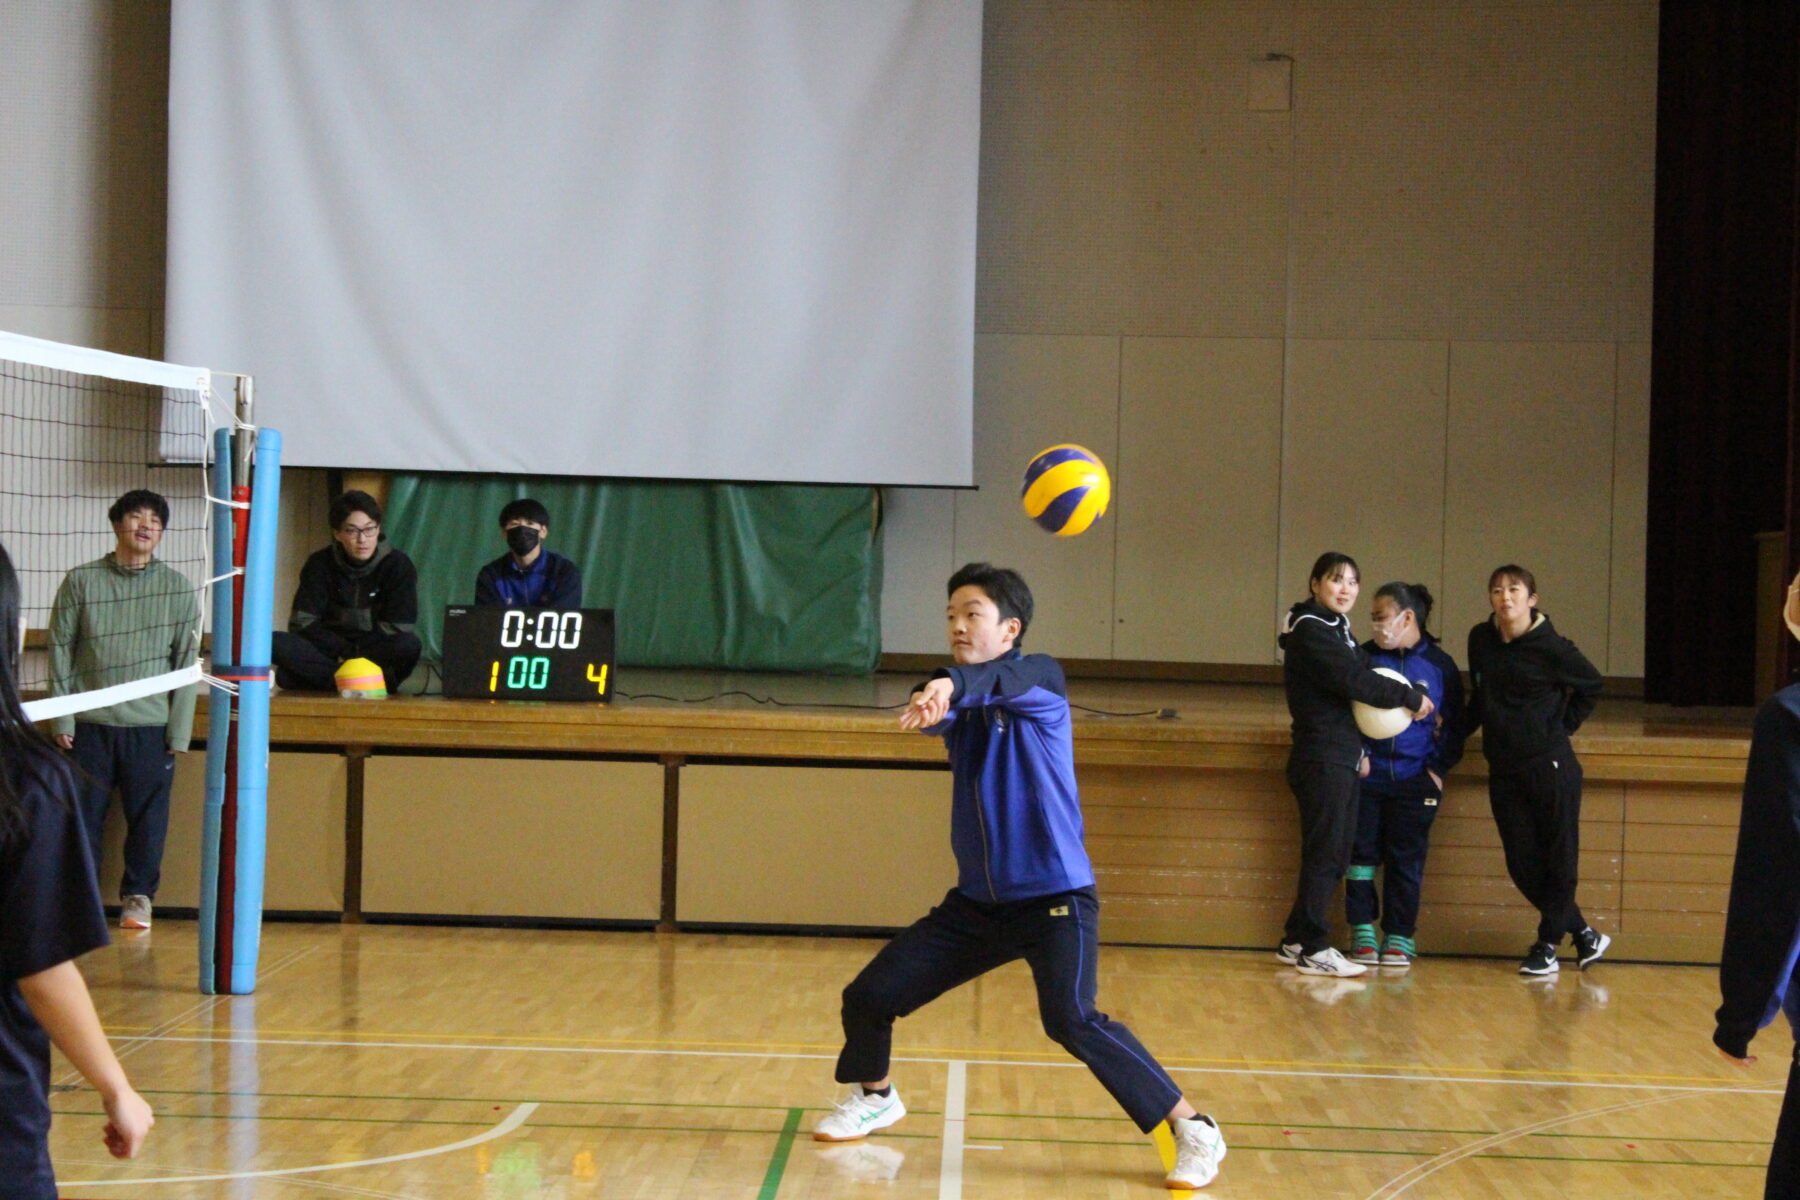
(1389,633)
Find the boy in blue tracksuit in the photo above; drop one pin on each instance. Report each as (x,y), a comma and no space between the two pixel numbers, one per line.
(1025,888)
(1402,781)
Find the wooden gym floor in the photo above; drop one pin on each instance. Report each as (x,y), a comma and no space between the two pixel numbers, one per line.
(436,1063)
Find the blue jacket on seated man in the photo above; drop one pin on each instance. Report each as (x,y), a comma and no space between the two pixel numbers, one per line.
(528,575)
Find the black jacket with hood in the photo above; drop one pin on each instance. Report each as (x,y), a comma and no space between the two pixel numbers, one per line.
(1530,693)
(1323,671)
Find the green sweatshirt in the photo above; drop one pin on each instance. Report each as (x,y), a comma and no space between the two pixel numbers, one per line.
(112,624)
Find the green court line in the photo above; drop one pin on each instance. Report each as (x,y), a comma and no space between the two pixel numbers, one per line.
(408,1098)
(1615,1137)
(778,1162)
(535,1124)
(785,1136)
(1564,1158)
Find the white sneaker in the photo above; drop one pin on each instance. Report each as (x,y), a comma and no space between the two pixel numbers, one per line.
(1288,952)
(1328,962)
(859,1115)
(134,912)
(1199,1149)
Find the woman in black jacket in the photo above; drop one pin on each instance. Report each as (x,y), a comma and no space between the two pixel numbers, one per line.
(1533,689)
(1323,671)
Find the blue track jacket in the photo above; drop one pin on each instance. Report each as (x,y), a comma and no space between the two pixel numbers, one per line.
(1015,815)
(1434,744)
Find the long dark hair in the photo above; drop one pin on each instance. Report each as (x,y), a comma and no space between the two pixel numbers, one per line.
(25,753)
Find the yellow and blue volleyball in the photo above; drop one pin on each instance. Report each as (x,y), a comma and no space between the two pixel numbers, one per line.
(1066,489)
(360,679)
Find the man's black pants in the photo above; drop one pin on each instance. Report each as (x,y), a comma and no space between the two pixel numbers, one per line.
(1326,794)
(1538,811)
(1058,936)
(136,760)
(300,665)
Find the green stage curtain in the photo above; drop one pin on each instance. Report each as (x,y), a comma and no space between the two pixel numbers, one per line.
(780,577)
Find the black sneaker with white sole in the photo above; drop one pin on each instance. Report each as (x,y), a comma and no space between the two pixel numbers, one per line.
(1288,952)
(1590,944)
(1540,960)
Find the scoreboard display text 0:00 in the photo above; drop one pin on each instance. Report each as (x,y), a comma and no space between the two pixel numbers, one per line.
(528,653)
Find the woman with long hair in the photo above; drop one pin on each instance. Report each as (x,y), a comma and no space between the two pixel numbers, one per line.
(49,915)
(1323,671)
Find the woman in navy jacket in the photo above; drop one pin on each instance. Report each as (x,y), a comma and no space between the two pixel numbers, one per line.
(1322,672)
(1403,781)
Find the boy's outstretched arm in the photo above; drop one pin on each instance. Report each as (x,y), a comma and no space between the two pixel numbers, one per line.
(59,999)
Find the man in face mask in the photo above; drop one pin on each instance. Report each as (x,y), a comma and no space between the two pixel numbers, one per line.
(528,575)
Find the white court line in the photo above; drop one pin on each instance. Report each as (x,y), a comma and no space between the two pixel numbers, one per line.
(974,1062)
(1449,1158)
(515,1119)
(956,1113)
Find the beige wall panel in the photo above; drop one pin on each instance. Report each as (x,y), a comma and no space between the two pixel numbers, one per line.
(918,553)
(304,865)
(1362,464)
(490,837)
(801,845)
(84,86)
(1636,25)
(1125,187)
(1631,510)
(1197,498)
(1529,481)
(1031,393)
(120,330)
(1471,171)
(305,526)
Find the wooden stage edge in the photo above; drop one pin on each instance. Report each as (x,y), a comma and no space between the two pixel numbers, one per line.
(853,719)
(714,800)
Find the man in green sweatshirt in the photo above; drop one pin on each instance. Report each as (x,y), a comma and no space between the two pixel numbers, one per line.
(120,618)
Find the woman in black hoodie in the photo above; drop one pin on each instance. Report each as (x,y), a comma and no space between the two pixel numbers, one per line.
(1323,671)
(1533,689)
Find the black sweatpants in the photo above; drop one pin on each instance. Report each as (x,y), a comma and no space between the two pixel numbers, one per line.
(300,665)
(1326,794)
(1538,812)
(961,938)
(1393,831)
(136,760)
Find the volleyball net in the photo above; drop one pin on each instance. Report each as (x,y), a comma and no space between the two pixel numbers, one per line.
(138,503)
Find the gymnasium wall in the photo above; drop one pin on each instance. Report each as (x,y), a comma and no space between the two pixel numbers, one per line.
(1407,316)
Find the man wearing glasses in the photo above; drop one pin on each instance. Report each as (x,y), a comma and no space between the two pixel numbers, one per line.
(358,598)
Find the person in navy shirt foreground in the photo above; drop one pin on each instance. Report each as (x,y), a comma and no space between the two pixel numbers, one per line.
(49,915)
(1024,886)
(1757,963)
(528,575)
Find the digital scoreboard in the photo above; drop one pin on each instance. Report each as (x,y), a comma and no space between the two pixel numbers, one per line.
(528,653)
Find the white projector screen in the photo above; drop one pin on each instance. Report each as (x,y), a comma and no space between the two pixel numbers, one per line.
(701,239)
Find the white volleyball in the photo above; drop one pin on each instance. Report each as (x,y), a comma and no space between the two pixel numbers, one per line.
(1382,723)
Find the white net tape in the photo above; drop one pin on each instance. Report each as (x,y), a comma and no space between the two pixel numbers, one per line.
(79,429)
